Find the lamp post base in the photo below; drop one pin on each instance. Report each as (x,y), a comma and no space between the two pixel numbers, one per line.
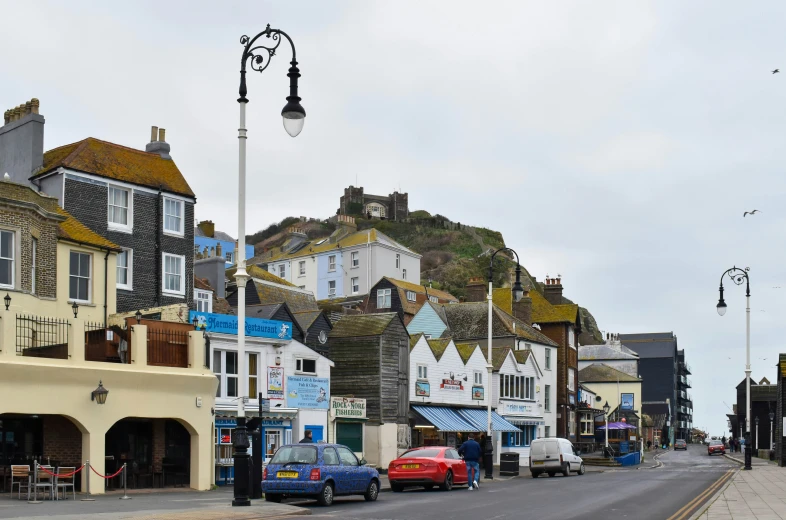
(241,467)
(488,459)
(748,452)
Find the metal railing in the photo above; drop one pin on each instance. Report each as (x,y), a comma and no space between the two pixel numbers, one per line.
(167,348)
(40,336)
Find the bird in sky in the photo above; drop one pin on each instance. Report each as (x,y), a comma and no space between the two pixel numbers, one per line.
(750,213)
(776,71)
(777,287)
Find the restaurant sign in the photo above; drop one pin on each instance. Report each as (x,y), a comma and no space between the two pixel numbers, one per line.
(511,408)
(348,407)
(227,324)
(451,384)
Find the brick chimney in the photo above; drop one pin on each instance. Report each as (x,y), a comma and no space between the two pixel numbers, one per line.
(476,290)
(208,228)
(158,143)
(523,309)
(553,290)
(295,237)
(22,142)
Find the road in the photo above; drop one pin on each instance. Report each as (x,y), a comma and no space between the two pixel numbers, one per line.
(660,493)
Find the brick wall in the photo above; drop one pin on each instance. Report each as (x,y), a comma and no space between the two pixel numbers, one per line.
(27,224)
(62,440)
(87,201)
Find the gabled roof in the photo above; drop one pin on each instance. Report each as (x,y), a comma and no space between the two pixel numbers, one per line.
(466,350)
(545,312)
(271,289)
(413,340)
(602,373)
(307,318)
(521,356)
(470,321)
(503,298)
(73,230)
(117,162)
(324,245)
(359,325)
(438,346)
(421,289)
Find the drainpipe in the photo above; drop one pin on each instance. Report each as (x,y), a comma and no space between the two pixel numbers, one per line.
(159,227)
(106,289)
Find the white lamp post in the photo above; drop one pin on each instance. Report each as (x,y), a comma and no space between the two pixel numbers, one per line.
(606,409)
(772,418)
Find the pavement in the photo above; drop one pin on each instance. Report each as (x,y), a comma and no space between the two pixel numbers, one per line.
(758,494)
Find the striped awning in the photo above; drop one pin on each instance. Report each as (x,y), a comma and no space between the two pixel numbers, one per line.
(480,419)
(446,419)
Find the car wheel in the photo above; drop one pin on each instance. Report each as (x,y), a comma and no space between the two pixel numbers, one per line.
(566,470)
(535,474)
(428,487)
(448,484)
(372,492)
(581,469)
(325,498)
(269,497)
(396,488)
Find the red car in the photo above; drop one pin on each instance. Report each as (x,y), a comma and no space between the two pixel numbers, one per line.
(716,447)
(427,467)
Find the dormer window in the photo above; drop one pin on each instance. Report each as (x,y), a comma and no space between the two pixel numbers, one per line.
(411,296)
(433,299)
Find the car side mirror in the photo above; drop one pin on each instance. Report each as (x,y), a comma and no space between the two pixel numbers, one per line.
(363,462)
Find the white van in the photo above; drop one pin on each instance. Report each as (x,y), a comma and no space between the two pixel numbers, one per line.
(553,455)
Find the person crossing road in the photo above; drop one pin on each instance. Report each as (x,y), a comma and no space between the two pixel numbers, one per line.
(471,452)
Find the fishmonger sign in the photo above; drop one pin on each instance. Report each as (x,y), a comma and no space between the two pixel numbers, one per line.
(348,407)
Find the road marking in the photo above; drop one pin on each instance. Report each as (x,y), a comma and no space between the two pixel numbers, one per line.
(688,508)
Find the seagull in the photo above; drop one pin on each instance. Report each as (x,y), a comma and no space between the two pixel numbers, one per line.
(777,287)
(776,71)
(750,213)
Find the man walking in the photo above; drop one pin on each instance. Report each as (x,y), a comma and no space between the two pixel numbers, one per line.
(471,452)
(307,437)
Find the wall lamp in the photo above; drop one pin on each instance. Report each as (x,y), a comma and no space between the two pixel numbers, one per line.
(138,317)
(75,308)
(7,300)
(99,394)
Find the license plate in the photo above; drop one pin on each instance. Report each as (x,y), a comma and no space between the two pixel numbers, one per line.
(537,462)
(287,474)
(410,466)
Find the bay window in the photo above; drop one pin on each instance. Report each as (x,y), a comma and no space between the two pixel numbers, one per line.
(517,387)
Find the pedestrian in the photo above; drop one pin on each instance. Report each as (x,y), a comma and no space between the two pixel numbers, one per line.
(307,437)
(649,445)
(471,452)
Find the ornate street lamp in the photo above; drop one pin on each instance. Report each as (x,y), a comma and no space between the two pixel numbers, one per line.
(99,394)
(75,308)
(738,276)
(7,301)
(518,293)
(258,58)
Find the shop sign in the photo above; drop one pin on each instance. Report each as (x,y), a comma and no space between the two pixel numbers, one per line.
(626,402)
(451,384)
(275,382)
(227,324)
(271,422)
(348,407)
(477,393)
(518,408)
(422,389)
(308,392)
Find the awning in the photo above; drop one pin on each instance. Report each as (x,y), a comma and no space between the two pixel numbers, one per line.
(480,419)
(446,419)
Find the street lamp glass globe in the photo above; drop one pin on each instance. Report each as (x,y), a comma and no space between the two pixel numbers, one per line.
(721,307)
(293,125)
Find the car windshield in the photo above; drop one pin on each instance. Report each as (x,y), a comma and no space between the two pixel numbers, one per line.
(716,443)
(295,455)
(680,442)
(420,453)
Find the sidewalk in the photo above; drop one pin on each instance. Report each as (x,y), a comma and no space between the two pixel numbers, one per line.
(755,461)
(759,494)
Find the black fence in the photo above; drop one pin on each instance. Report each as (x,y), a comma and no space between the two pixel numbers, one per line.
(45,337)
(167,348)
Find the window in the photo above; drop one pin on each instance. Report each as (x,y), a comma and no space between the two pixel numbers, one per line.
(404,274)
(306,366)
(383,298)
(422,372)
(302,268)
(173,216)
(571,380)
(411,296)
(33,266)
(124,270)
(118,199)
(548,359)
(547,400)
(548,431)
(204,301)
(330,457)
(331,287)
(347,457)
(6,259)
(587,426)
(79,277)
(398,261)
(174,274)
(433,299)
(355,259)
(355,285)
(572,424)
(229,257)
(522,438)
(217,370)
(478,380)
(517,387)
(332,263)
(230,365)
(282,271)
(253,371)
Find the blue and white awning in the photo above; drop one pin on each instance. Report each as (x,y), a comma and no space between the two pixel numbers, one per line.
(446,419)
(480,418)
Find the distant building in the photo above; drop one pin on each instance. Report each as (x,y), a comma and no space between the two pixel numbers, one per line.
(209,242)
(612,353)
(405,298)
(391,207)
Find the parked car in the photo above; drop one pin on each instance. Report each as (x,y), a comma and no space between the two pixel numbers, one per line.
(716,447)
(552,456)
(321,471)
(680,444)
(427,467)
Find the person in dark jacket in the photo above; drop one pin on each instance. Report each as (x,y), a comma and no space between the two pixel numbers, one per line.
(471,452)
(307,437)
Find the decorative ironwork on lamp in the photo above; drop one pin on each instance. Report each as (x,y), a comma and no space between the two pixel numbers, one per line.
(99,394)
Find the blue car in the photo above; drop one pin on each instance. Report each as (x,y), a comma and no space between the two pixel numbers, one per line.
(321,471)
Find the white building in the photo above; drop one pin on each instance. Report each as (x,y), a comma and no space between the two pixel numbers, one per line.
(546,360)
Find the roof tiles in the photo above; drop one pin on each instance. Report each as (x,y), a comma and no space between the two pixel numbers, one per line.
(359,325)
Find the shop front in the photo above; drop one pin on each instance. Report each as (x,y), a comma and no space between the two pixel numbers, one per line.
(450,426)
(529,422)
(348,423)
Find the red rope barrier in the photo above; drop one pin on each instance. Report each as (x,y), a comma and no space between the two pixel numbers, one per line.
(64,475)
(104,476)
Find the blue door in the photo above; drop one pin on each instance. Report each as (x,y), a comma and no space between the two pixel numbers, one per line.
(316,432)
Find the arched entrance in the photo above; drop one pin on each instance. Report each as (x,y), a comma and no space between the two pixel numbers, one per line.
(157,452)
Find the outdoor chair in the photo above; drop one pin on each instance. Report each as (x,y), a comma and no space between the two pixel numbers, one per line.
(64,482)
(20,476)
(45,481)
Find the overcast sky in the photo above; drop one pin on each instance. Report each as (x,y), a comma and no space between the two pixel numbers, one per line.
(616,144)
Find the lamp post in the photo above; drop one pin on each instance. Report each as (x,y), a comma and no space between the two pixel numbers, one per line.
(738,276)
(756,447)
(606,409)
(772,418)
(518,293)
(258,58)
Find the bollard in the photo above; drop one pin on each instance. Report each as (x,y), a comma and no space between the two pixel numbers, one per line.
(35,485)
(87,472)
(125,483)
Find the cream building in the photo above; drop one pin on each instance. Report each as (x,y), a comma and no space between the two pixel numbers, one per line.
(621,390)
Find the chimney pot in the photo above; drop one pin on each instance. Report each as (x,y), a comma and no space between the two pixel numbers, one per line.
(153,134)
(6,117)
(218,249)
(35,104)
(162,135)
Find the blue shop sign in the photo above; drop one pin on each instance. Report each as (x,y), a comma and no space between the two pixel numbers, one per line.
(227,324)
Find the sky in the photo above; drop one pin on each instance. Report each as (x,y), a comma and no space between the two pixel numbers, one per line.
(614,143)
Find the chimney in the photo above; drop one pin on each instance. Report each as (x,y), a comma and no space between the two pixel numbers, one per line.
(523,309)
(346,225)
(476,290)
(295,237)
(158,143)
(207,227)
(22,141)
(218,249)
(553,291)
